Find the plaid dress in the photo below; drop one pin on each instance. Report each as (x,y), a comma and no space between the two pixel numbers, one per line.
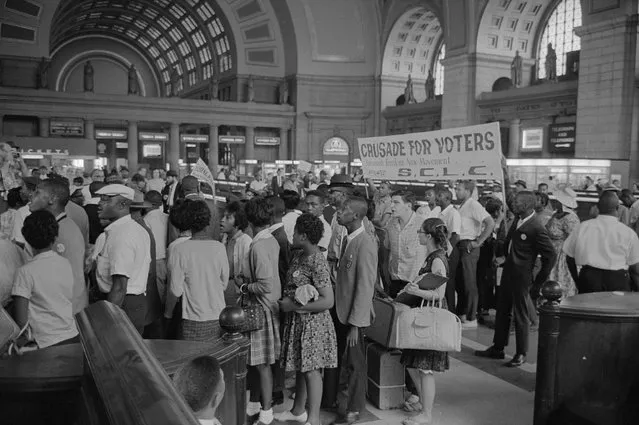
(266,288)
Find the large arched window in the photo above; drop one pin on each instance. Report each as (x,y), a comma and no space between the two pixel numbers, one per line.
(559,32)
(439,70)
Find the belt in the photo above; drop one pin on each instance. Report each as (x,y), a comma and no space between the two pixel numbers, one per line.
(603,270)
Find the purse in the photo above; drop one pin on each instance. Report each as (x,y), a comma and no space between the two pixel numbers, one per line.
(9,330)
(253,314)
(429,328)
(253,311)
(11,335)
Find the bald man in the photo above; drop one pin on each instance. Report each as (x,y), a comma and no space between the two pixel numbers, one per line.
(526,240)
(606,250)
(354,288)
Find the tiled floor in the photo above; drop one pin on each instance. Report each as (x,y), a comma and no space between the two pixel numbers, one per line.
(475,391)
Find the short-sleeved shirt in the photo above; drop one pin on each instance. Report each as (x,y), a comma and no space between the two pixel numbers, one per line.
(603,243)
(11,259)
(70,245)
(47,282)
(18,222)
(199,269)
(472,216)
(406,253)
(158,222)
(326,237)
(289,221)
(127,252)
(79,217)
(451,218)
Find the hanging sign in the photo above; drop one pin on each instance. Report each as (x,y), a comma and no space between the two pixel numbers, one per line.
(267,141)
(194,138)
(111,134)
(155,137)
(561,138)
(66,127)
(232,140)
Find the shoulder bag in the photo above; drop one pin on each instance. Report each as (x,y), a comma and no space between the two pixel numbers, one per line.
(429,328)
(253,310)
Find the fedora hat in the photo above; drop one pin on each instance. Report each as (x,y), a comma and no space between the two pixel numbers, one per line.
(565,195)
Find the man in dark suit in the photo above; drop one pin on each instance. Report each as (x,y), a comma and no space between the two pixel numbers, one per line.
(526,240)
(277,181)
(171,192)
(355,285)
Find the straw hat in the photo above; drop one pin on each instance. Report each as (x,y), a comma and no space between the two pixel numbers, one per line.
(565,195)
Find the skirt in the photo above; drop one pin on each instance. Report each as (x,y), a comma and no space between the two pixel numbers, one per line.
(309,342)
(265,342)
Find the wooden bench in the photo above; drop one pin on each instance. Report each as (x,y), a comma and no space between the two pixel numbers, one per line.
(114,377)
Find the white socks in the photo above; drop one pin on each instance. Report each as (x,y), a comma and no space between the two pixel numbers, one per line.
(266,416)
(253,408)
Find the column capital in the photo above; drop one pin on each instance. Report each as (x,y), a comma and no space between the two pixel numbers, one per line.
(515,121)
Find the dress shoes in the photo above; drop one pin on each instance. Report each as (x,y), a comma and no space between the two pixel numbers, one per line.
(491,353)
(347,419)
(517,361)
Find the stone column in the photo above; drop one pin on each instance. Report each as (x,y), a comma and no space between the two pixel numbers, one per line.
(43,127)
(132,149)
(283,153)
(174,146)
(214,153)
(458,104)
(606,88)
(1,125)
(89,133)
(514,138)
(249,152)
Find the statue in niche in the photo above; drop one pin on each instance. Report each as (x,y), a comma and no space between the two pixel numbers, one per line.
(409,96)
(174,79)
(516,70)
(214,88)
(284,92)
(551,64)
(250,93)
(134,86)
(430,86)
(88,77)
(43,74)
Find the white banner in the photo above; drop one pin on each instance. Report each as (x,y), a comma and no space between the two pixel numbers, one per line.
(201,171)
(304,167)
(472,152)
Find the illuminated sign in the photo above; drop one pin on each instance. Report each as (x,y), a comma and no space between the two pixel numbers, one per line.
(194,138)
(111,134)
(267,141)
(121,145)
(336,146)
(561,137)
(152,150)
(532,139)
(66,127)
(232,140)
(156,137)
(53,152)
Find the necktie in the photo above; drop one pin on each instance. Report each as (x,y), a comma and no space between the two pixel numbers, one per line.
(343,247)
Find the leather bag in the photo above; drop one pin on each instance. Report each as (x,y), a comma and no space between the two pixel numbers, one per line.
(254,313)
(429,328)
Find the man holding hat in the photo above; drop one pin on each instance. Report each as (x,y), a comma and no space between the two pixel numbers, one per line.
(123,264)
(171,191)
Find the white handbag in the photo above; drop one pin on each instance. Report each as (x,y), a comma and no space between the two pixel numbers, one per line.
(429,328)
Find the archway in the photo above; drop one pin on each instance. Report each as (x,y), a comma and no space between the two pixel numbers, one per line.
(414,47)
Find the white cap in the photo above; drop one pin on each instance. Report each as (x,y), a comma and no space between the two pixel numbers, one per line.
(117,189)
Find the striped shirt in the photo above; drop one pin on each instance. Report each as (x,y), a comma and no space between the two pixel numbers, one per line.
(407,255)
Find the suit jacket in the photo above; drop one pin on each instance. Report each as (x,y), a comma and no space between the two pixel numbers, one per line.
(523,245)
(276,187)
(355,283)
(165,195)
(285,253)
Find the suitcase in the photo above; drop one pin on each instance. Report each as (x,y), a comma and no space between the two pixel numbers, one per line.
(385,386)
(383,329)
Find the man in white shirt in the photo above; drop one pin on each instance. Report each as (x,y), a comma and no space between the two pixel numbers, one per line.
(606,250)
(123,264)
(97,175)
(476,226)
(158,222)
(315,202)
(291,203)
(451,218)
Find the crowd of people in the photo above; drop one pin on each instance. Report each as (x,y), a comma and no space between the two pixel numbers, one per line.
(307,262)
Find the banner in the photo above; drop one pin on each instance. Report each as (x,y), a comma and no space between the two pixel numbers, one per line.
(304,167)
(456,153)
(201,171)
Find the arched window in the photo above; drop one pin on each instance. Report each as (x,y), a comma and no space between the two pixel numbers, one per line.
(439,71)
(559,32)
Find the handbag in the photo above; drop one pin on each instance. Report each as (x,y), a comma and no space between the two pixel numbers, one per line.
(9,330)
(253,310)
(11,335)
(253,314)
(429,328)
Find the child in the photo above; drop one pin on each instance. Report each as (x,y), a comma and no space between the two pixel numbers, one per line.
(237,243)
(201,383)
(43,287)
